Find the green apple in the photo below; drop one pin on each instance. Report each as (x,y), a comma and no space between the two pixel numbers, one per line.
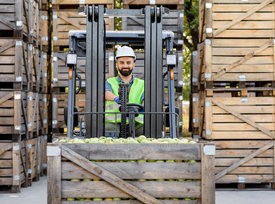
(62,140)
(132,141)
(145,141)
(70,199)
(109,142)
(102,138)
(160,179)
(141,179)
(155,141)
(178,160)
(180,179)
(140,138)
(81,199)
(173,141)
(116,198)
(151,160)
(75,179)
(97,199)
(93,140)
(192,142)
(141,160)
(101,141)
(183,141)
(174,199)
(160,161)
(187,199)
(170,161)
(171,179)
(87,179)
(165,142)
(192,161)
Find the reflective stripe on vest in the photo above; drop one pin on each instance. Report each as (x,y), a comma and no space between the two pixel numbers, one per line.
(135,94)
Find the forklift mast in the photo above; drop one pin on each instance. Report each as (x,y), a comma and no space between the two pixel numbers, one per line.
(92,44)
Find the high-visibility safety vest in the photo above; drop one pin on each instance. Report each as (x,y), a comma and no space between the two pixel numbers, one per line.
(135,94)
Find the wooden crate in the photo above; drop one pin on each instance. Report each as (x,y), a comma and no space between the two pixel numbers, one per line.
(44,154)
(73,161)
(59,101)
(13,115)
(172,22)
(35,114)
(35,156)
(61,72)
(239,60)
(44,5)
(66,20)
(13,162)
(19,18)
(14,64)
(257,168)
(238,118)
(195,87)
(178,70)
(236,19)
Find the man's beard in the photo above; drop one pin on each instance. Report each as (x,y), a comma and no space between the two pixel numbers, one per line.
(125,72)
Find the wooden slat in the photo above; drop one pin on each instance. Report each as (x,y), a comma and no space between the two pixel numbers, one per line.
(247,170)
(253,162)
(129,170)
(248,179)
(16,184)
(137,152)
(132,202)
(224,153)
(5,147)
(243,144)
(242,161)
(105,175)
(171,189)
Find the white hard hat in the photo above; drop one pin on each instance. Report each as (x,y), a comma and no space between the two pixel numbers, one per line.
(125,51)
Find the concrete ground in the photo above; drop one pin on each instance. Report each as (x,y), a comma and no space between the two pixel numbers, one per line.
(37,194)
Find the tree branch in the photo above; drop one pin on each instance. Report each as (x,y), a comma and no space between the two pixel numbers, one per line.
(188,44)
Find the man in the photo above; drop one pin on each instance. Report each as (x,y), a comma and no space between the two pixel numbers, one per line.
(125,62)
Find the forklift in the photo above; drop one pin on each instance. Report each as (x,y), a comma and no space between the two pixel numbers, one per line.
(92,44)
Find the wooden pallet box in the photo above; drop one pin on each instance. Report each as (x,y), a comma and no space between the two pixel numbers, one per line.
(245,60)
(178,70)
(236,19)
(73,161)
(66,20)
(13,115)
(35,156)
(45,32)
(195,87)
(44,154)
(61,72)
(13,162)
(14,64)
(35,114)
(59,101)
(258,168)
(19,18)
(172,22)
(238,118)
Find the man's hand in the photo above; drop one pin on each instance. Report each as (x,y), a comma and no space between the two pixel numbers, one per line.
(142,110)
(116,99)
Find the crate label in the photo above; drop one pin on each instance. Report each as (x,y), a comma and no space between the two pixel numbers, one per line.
(181,15)
(37,52)
(81,1)
(180,59)
(30,47)
(180,123)
(19,23)
(207,104)
(207,42)
(208,30)
(195,120)
(54,59)
(244,100)
(152,1)
(45,38)
(45,56)
(54,100)
(17,127)
(29,171)
(244,0)
(207,75)
(54,16)
(208,132)
(45,121)
(15,147)
(53,151)
(29,98)
(242,78)
(195,80)
(180,98)
(55,38)
(209,150)
(83,84)
(44,17)
(19,43)
(45,100)
(45,75)
(208,5)
(180,83)
(17,96)
(109,17)
(38,167)
(54,122)
(195,99)
(31,31)
(111,58)
(45,137)
(44,165)
(241,179)
(29,146)
(19,78)
(180,42)
(16,178)
(55,80)
(83,125)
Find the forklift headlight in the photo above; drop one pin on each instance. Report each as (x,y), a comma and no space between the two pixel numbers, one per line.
(171,60)
(71,59)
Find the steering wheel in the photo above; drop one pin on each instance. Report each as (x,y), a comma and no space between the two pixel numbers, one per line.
(133,107)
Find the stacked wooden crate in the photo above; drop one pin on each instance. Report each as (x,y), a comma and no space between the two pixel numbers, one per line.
(23,84)
(233,88)
(172,22)
(65,18)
